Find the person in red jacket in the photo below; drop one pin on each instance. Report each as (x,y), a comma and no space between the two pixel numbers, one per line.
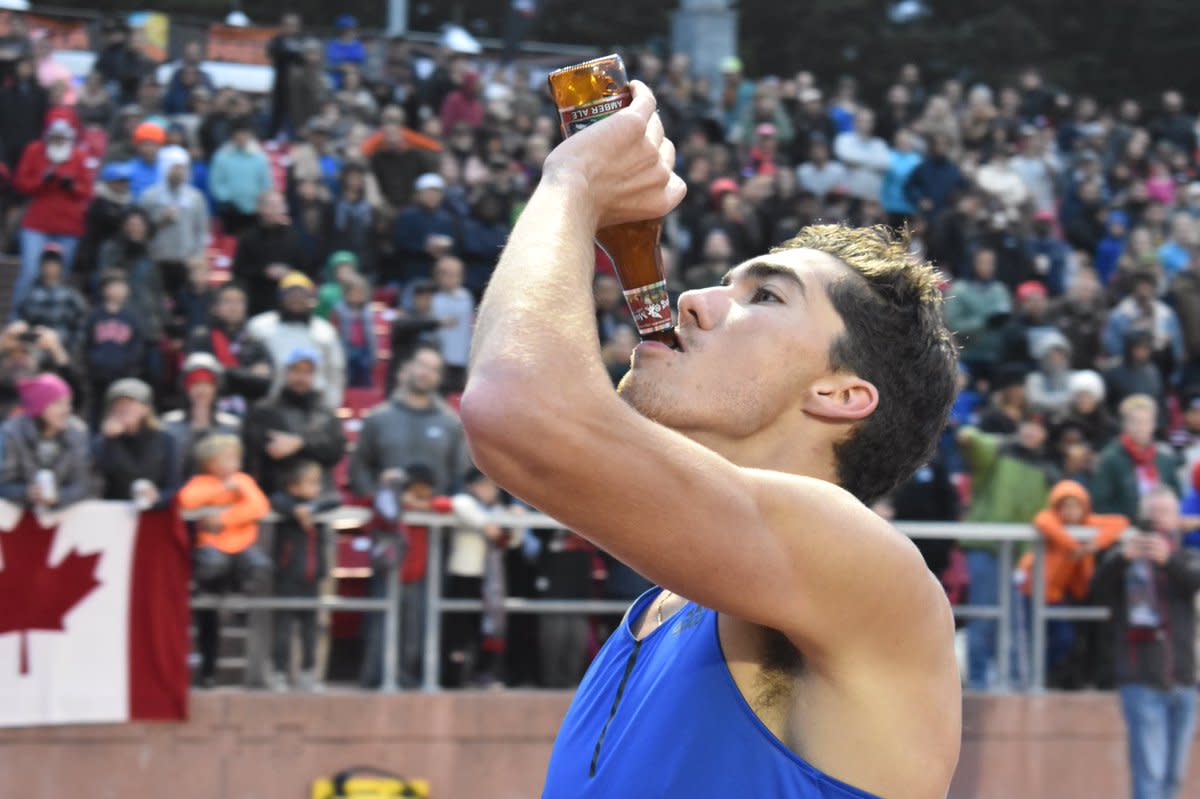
(463,104)
(53,174)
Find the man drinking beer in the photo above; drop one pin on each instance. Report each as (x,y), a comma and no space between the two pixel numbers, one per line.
(798,646)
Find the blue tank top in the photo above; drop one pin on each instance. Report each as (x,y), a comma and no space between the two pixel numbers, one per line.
(662,717)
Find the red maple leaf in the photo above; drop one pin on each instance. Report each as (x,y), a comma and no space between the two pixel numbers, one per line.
(33,594)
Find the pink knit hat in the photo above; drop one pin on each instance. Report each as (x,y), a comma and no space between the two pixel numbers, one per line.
(38,393)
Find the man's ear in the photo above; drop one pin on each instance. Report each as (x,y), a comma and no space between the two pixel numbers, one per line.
(842,397)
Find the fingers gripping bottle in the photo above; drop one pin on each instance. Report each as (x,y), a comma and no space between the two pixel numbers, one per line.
(586,93)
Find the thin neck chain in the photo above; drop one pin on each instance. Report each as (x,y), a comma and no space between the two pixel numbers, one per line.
(662,600)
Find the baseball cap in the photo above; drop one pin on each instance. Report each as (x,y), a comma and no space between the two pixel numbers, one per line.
(60,127)
(201,365)
(731,64)
(1044,216)
(148,131)
(300,354)
(295,280)
(342,257)
(765,129)
(129,388)
(430,180)
(346,21)
(722,186)
(116,171)
(1030,288)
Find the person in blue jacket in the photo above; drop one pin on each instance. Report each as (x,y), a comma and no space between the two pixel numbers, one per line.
(904,158)
(347,48)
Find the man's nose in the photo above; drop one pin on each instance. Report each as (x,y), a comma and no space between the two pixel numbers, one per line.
(704,308)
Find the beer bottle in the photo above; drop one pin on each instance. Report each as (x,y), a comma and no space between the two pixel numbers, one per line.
(586,93)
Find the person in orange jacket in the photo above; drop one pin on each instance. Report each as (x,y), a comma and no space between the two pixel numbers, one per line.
(231,503)
(229,506)
(1069,562)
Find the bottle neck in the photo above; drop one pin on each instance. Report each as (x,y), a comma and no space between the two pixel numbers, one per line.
(663,337)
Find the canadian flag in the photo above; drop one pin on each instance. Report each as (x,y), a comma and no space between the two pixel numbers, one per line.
(93,615)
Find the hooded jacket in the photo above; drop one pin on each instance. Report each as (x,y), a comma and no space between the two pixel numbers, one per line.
(463,104)
(240,509)
(282,334)
(59,193)
(1068,573)
(187,235)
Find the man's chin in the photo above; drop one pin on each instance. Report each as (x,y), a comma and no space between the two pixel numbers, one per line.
(640,395)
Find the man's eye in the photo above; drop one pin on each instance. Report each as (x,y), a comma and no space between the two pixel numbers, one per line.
(763,294)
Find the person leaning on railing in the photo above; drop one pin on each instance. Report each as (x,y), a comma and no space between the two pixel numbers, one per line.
(1010,481)
(227,529)
(298,551)
(46,462)
(1069,565)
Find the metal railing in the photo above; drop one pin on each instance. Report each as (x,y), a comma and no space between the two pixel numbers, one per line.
(1004,537)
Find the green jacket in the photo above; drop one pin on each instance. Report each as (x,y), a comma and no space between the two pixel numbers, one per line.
(969,307)
(1115,486)
(1005,487)
(328,296)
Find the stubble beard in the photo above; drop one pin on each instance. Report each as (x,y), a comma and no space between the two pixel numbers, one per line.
(644,396)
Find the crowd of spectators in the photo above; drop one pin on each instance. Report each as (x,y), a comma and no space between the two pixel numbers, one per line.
(214,286)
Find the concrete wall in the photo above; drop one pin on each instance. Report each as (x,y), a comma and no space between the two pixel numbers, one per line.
(493,745)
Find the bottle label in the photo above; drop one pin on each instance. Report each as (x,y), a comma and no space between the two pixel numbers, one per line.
(651,307)
(578,117)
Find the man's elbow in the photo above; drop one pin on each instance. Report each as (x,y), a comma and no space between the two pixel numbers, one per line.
(506,426)
(490,418)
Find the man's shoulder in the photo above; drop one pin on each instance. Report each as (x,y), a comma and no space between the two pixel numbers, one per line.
(385,408)
(263,322)
(323,329)
(1113,452)
(77,430)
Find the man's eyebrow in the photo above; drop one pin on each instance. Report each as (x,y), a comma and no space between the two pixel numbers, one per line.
(761,270)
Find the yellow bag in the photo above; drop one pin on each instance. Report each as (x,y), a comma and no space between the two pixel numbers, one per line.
(365,782)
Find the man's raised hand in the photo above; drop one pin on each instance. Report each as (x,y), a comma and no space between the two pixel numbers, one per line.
(624,164)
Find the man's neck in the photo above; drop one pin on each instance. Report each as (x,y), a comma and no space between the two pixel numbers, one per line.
(414,400)
(791,453)
(202,415)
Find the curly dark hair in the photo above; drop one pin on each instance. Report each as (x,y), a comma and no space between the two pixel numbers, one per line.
(895,337)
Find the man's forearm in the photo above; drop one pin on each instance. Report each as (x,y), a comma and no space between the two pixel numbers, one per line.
(537,316)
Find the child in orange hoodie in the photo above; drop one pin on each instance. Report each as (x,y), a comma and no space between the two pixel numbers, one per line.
(230,505)
(1069,562)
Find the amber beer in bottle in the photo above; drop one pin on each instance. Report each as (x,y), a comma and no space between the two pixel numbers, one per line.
(586,93)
